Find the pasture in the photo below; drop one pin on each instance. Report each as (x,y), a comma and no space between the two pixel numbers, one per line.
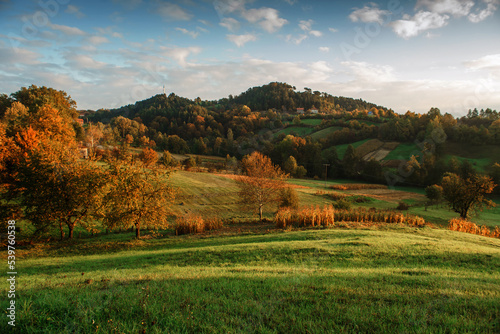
(387,279)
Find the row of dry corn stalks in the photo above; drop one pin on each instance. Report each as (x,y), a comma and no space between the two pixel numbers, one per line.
(358,186)
(328,216)
(195,223)
(463,225)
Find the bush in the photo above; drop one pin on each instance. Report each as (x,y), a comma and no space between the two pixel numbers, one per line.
(342,204)
(402,206)
(289,198)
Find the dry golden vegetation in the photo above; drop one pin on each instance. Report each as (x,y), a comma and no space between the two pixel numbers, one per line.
(195,223)
(328,216)
(462,225)
(358,186)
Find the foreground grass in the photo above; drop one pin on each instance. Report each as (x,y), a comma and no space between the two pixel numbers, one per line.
(386,280)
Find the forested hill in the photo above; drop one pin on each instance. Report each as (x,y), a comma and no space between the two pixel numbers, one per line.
(278,96)
(282,96)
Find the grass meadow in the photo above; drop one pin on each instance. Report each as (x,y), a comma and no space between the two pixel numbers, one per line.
(396,279)
(251,277)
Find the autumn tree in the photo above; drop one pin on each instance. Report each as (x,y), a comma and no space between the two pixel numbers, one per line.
(138,196)
(261,183)
(464,195)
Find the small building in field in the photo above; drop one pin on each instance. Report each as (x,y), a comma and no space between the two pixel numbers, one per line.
(84,152)
(313,111)
(300,110)
(79,121)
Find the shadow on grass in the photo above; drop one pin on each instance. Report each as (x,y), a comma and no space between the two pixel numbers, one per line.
(256,302)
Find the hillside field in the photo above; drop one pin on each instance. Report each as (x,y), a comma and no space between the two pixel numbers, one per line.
(396,279)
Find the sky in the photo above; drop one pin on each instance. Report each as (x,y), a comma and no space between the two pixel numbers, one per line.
(405,55)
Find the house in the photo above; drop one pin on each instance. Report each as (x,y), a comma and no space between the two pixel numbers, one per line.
(300,110)
(313,111)
(79,121)
(84,152)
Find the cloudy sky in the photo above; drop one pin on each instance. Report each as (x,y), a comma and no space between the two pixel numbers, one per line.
(406,55)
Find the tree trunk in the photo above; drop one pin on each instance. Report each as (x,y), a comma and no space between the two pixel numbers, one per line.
(62,231)
(71,228)
(260,213)
(137,232)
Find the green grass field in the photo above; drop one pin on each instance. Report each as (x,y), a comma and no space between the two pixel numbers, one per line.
(404,151)
(325,132)
(311,121)
(296,130)
(341,149)
(397,280)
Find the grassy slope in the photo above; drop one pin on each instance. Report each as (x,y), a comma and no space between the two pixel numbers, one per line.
(388,280)
(297,130)
(325,132)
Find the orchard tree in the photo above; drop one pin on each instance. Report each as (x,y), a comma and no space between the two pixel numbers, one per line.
(261,184)
(464,195)
(138,196)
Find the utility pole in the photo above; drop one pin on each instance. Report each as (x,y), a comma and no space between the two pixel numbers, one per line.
(326,172)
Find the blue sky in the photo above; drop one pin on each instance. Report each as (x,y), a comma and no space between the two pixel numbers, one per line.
(406,55)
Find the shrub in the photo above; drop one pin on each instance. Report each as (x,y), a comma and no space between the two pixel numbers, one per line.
(402,206)
(289,198)
(342,204)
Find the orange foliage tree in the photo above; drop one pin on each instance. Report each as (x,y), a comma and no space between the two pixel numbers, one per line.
(138,196)
(261,183)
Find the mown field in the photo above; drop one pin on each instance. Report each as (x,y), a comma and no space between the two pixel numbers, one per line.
(398,280)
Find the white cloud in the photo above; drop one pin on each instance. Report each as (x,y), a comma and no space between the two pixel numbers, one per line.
(180,55)
(480,15)
(366,72)
(306,27)
(193,34)
(324,49)
(224,7)
(296,40)
(79,61)
(267,18)
(71,31)
(71,9)
(333,30)
(422,21)
(171,11)
(369,13)
(230,24)
(241,40)
(96,40)
(457,8)
(490,63)
(109,31)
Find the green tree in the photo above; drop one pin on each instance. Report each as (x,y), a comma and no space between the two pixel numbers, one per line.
(290,165)
(434,193)
(464,195)
(289,198)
